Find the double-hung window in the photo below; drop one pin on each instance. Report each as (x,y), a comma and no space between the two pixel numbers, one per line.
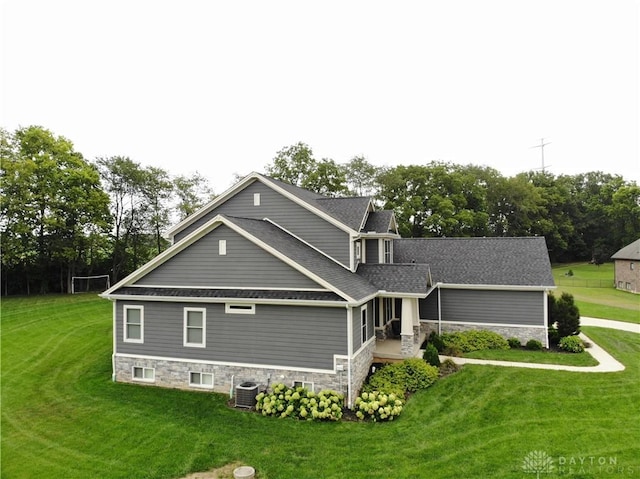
(387,251)
(195,327)
(363,324)
(133,327)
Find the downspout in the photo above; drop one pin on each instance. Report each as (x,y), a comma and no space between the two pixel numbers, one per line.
(115,343)
(349,354)
(545,313)
(439,313)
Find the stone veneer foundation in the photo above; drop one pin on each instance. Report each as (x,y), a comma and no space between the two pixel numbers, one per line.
(175,374)
(524,334)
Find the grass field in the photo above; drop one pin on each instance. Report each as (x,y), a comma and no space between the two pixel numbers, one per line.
(602,302)
(62,417)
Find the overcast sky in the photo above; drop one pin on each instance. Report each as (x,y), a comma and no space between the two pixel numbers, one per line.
(220,87)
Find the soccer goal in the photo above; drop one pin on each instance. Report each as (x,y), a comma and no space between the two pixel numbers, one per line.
(87,284)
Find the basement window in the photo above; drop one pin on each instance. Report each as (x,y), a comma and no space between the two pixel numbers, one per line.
(304,384)
(201,380)
(231,308)
(143,374)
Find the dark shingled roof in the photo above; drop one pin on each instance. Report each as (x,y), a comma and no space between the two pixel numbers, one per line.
(397,278)
(349,211)
(631,251)
(378,222)
(486,261)
(344,280)
(229,293)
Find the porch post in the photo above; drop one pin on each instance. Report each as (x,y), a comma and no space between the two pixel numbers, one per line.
(406,330)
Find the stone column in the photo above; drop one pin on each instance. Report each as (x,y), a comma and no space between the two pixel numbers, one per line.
(406,330)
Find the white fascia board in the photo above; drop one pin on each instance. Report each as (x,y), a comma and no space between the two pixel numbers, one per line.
(307,206)
(494,287)
(370,209)
(244,288)
(242,184)
(285,259)
(166,254)
(191,299)
(393,294)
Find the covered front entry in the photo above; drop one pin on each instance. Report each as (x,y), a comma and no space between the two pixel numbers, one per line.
(397,328)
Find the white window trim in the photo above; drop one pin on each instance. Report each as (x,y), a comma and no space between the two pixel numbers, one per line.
(364,328)
(256,199)
(186,312)
(239,308)
(143,379)
(222,247)
(200,384)
(358,251)
(125,337)
(305,384)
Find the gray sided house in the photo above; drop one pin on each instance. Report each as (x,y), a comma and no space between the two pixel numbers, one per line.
(272,283)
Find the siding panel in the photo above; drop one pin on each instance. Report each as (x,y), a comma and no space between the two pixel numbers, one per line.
(371,246)
(500,307)
(245,266)
(293,336)
(287,214)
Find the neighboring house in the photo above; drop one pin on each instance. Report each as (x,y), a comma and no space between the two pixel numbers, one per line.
(273,283)
(627,267)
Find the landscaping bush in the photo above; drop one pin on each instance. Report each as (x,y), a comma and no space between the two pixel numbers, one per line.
(409,375)
(431,355)
(554,336)
(436,340)
(564,313)
(378,406)
(300,403)
(572,344)
(474,340)
(534,345)
(514,343)
(448,367)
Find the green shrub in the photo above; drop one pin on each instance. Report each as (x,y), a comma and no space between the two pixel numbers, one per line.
(436,340)
(430,355)
(572,344)
(409,375)
(452,350)
(474,340)
(554,336)
(378,406)
(448,367)
(300,403)
(564,313)
(514,343)
(534,345)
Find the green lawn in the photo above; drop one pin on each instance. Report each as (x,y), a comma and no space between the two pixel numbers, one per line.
(62,417)
(606,302)
(540,357)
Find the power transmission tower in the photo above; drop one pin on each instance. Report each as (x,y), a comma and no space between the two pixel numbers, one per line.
(541,146)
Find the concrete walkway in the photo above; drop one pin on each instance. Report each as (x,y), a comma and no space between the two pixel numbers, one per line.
(606,362)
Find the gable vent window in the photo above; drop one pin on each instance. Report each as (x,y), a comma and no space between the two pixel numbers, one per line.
(222,247)
(256,199)
(231,308)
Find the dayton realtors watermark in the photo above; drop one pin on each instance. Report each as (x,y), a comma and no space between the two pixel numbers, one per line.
(540,463)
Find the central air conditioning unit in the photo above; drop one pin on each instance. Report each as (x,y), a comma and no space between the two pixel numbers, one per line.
(246,393)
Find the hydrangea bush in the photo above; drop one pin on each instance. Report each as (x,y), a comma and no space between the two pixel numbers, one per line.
(300,403)
(378,406)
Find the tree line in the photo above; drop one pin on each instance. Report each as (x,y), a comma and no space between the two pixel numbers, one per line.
(65,216)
